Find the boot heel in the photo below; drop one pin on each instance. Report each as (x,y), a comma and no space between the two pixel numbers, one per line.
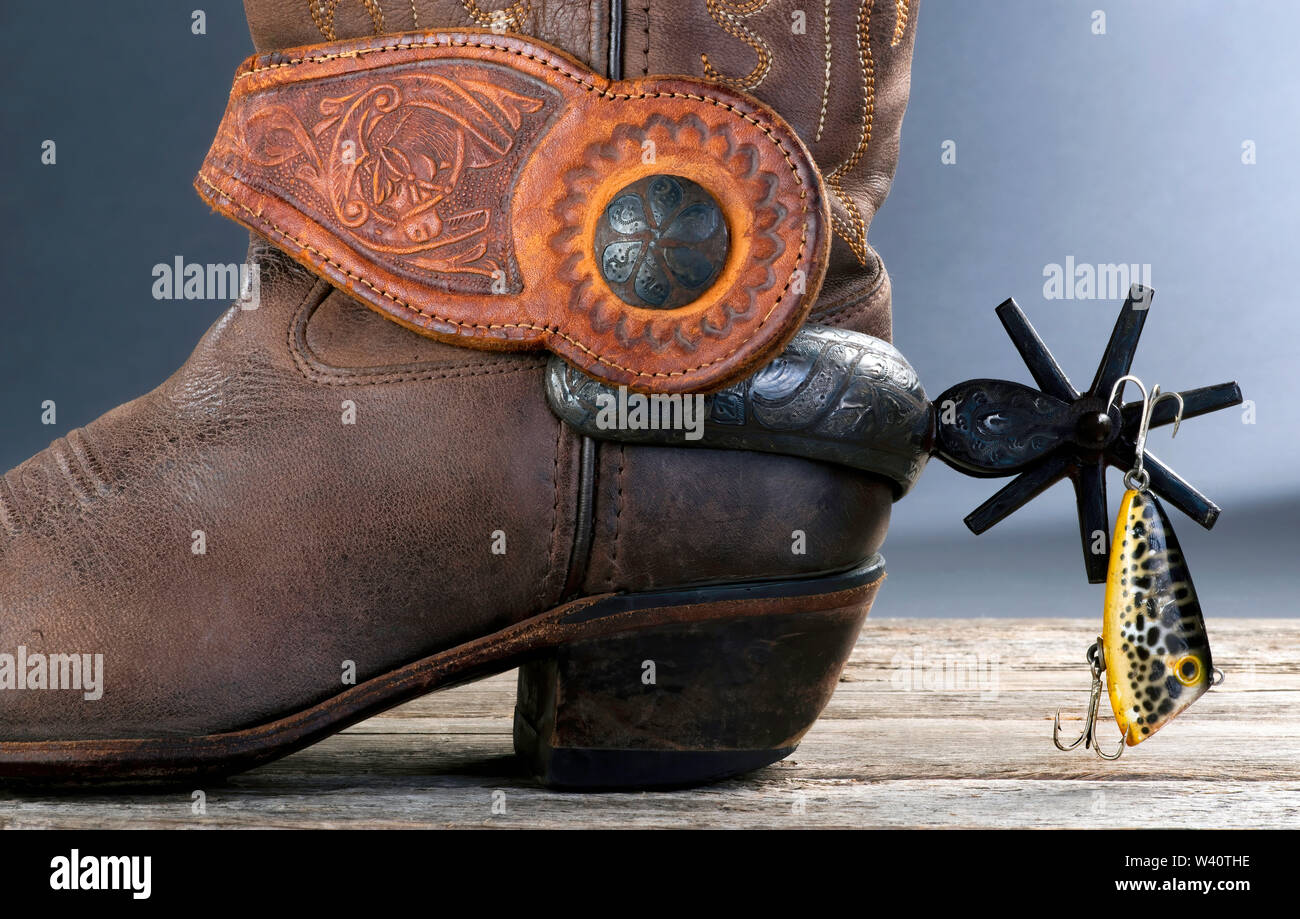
(685,687)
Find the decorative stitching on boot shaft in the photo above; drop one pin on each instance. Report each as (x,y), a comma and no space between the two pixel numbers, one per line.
(511,18)
(826,80)
(322,13)
(728,14)
(900,21)
(854,232)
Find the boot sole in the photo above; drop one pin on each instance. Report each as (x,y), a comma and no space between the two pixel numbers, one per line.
(663,688)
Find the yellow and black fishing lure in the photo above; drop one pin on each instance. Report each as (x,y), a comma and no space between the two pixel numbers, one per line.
(1153,648)
(1157,654)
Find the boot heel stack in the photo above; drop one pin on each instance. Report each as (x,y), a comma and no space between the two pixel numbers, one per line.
(685,687)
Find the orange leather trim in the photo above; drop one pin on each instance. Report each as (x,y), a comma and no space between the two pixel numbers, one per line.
(453,180)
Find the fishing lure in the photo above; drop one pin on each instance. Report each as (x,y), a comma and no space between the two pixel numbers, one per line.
(1153,635)
(1153,648)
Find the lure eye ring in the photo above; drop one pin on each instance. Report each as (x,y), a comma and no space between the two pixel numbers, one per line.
(1137,479)
(1196,671)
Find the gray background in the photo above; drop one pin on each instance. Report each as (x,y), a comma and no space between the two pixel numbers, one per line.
(1124,147)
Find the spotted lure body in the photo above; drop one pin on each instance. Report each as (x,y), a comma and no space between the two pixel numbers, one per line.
(1157,655)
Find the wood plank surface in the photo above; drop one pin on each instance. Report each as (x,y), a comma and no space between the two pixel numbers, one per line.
(936,723)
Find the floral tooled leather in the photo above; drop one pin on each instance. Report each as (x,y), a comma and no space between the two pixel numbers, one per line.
(390,166)
(454,183)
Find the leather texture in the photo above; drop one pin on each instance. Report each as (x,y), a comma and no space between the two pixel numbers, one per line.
(328,542)
(325,542)
(454,182)
(839,72)
(372,542)
(580,27)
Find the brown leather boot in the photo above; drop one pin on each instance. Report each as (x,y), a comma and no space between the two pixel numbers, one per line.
(357,493)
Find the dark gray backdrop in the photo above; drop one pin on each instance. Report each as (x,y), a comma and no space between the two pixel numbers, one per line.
(1117,148)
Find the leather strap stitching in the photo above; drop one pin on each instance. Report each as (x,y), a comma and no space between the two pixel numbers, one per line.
(589,87)
(551,330)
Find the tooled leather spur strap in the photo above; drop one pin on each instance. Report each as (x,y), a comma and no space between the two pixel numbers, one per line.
(668,234)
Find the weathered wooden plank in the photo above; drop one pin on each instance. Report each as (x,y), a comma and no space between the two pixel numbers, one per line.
(462,802)
(918,734)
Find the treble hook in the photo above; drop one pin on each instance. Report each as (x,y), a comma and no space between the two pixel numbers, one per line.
(1138,478)
(1097,663)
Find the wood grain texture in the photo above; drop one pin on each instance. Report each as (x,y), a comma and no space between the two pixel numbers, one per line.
(882,755)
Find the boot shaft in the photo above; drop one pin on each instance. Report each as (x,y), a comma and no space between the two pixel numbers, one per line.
(837,70)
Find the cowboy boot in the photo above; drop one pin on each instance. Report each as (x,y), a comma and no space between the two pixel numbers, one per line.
(356,492)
